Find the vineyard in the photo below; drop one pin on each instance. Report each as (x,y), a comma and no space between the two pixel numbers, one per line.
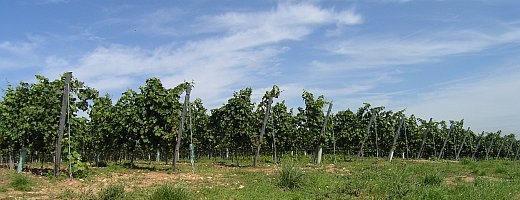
(54,121)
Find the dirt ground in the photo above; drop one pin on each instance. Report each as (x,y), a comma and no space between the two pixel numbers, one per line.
(132,179)
(47,188)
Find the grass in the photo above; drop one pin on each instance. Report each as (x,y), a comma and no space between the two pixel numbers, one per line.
(169,192)
(432,180)
(290,177)
(21,183)
(112,192)
(67,194)
(369,178)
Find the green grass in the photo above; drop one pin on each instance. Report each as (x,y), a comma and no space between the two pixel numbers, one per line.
(3,188)
(432,180)
(290,177)
(112,192)
(369,178)
(21,183)
(67,194)
(169,192)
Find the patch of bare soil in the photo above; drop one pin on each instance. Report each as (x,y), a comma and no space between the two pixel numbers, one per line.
(423,161)
(334,170)
(452,179)
(46,189)
(266,170)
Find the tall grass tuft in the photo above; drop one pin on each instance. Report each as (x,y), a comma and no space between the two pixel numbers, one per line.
(291,177)
(21,183)
(112,192)
(169,192)
(432,179)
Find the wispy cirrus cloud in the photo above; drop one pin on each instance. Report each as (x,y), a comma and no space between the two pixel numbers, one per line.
(20,54)
(362,53)
(486,103)
(19,48)
(246,44)
(284,16)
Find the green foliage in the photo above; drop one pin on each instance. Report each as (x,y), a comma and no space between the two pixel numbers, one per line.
(432,180)
(291,177)
(79,168)
(3,188)
(170,192)
(112,192)
(67,194)
(140,122)
(350,188)
(500,169)
(466,161)
(21,183)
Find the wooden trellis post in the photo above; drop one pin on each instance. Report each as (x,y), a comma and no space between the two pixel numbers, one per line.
(489,148)
(462,144)
(181,125)
(396,136)
(517,151)
(360,152)
(377,142)
(406,140)
(509,150)
(333,140)
(444,144)
(501,145)
(61,128)
(318,151)
(425,135)
(473,157)
(262,131)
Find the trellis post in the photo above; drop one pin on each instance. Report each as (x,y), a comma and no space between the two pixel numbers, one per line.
(61,128)
(318,150)
(473,157)
(396,136)
(462,144)
(360,152)
(444,144)
(262,130)
(425,135)
(181,126)
(490,146)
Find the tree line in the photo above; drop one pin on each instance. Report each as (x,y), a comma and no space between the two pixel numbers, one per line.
(143,124)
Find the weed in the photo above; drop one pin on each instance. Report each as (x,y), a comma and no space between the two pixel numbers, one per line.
(3,188)
(169,192)
(500,169)
(21,183)
(432,179)
(466,161)
(67,194)
(290,177)
(350,188)
(87,195)
(480,172)
(398,191)
(112,192)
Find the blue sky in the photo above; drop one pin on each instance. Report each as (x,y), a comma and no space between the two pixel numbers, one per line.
(441,59)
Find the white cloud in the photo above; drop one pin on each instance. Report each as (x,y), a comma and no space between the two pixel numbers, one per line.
(18,48)
(20,54)
(247,46)
(486,104)
(286,16)
(360,53)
